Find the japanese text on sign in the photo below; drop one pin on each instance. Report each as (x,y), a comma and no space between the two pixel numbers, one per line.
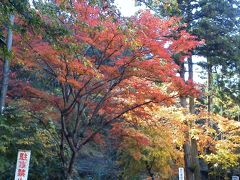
(22,165)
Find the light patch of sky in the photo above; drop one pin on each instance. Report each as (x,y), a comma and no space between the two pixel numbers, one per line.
(31,3)
(127,7)
(199,74)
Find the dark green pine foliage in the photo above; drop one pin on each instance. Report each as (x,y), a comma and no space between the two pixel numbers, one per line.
(218,23)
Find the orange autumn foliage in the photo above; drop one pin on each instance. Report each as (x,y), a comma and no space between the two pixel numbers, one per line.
(102,68)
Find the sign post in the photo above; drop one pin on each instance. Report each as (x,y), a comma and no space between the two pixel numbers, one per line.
(181,173)
(22,166)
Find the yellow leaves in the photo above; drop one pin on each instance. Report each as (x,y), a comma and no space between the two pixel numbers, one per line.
(195,132)
(135,43)
(158,136)
(26,141)
(167,127)
(223,158)
(220,136)
(44,135)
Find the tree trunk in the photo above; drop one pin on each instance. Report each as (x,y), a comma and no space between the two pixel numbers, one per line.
(183,99)
(187,145)
(70,166)
(190,78)
(194,151)
(187,160)
(192,165)
(61,154)
(195,160)
(5,78)
(209,97)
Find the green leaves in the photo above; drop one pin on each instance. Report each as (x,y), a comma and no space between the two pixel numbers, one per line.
(18,132)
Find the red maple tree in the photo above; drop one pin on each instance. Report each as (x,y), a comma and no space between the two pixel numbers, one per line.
(101,68)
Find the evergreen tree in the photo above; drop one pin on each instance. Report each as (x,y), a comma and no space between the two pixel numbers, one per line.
(215,21)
